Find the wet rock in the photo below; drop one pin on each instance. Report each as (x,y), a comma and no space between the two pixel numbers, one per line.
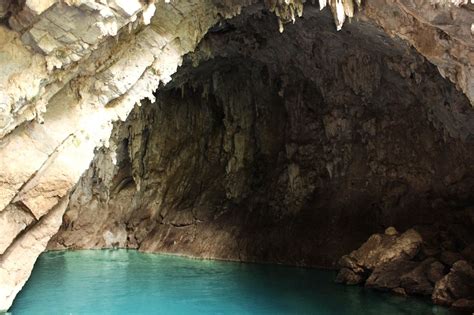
(349,262)
(348,276)
(388,276)
(456,285)
(399,291)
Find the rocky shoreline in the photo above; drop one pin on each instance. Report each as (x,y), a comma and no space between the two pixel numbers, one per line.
(422,261)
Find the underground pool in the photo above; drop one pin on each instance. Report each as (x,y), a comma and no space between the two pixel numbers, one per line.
(131,282)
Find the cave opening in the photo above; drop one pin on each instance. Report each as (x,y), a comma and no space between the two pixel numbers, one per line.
(346,149)
(287,148)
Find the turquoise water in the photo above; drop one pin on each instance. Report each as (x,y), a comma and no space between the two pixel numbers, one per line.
(129,282)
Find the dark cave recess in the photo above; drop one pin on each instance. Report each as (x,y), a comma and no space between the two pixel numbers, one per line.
(285,148)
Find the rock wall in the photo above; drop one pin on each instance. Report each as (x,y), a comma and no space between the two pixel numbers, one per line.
(289,148)
(68,69)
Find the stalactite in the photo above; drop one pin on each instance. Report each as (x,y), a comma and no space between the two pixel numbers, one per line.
(287,10)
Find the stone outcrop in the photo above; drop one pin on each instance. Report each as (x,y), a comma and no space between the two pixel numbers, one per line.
(70,69)
(16,263)
(381,261)
(413,267)
(457,287)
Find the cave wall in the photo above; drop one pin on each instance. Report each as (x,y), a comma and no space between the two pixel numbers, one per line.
(68,69)
(289,148)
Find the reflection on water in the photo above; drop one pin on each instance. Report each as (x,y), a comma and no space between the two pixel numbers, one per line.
(129,282)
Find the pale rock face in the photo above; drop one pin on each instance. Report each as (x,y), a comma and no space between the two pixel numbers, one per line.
(17,86)
(17,262)
(69,69)
(62,72)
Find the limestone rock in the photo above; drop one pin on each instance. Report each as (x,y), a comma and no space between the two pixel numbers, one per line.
(420,280)
(17,262)
(249,161)
(74,81)
(456,286)
(348,276)
(388,276)
(391,231)
(380,249)
(435,271)
(13,220)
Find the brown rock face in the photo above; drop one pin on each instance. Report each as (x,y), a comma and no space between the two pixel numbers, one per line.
(457,287)
(385,260)
(381,249)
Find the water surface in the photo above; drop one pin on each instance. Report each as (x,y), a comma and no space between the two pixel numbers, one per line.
(129,282)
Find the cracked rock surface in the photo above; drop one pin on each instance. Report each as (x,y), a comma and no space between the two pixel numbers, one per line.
(415,262)
(290,147)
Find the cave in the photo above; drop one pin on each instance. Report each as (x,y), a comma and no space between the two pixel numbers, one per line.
(252,135)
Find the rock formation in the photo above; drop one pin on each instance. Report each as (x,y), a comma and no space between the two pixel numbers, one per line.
(75,67)
(414,264)
(285,147)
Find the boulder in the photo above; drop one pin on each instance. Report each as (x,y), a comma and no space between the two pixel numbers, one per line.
(435,272)
(380,249)
(391,231)
(348,276)
(420,280)
(388,276)
(456,286)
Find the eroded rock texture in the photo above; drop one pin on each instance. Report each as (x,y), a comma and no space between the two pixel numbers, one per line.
(263,152)
(74,67)
(429,260)
(288,148)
